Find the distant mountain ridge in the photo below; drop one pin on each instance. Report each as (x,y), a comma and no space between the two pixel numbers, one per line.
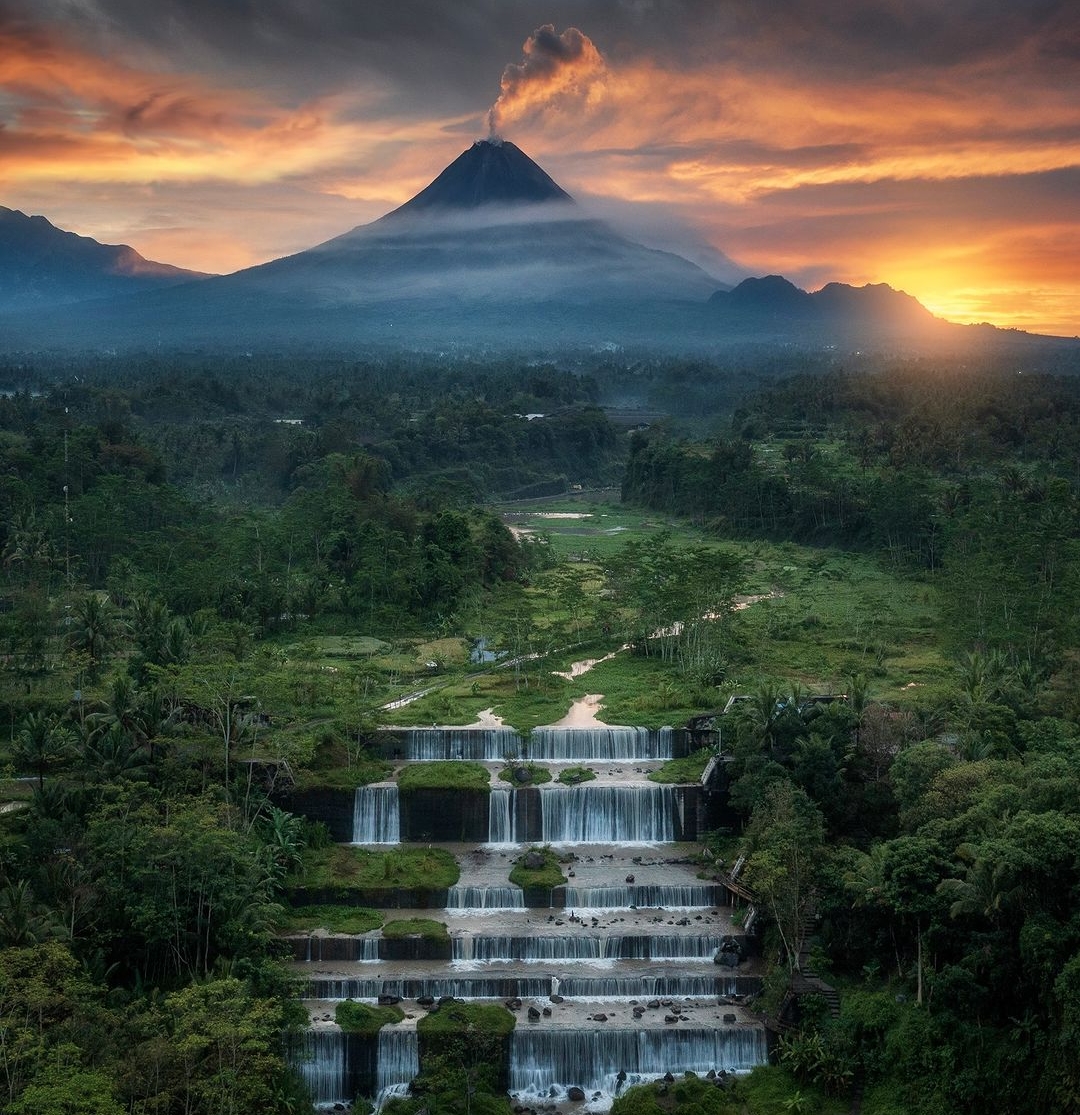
(493,253)
(775,298)
(42,265)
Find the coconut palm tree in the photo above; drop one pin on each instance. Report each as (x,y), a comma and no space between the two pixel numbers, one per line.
(40,744)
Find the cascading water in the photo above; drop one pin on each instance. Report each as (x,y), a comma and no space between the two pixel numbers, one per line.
(501,827)
(591,814)
(376,815)
(599,744)
(320,950)
(509,985)
(672,897)
(643,813)
(323,1066)
(516,955)
(483,949)
(397,1064)
(541,1059)
(478,744)
(460,900)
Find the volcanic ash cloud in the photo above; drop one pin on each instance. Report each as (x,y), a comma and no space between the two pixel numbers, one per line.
(553,67)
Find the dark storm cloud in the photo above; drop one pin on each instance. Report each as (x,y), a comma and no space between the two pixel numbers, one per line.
(424,46)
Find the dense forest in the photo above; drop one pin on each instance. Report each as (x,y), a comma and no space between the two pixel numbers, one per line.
(176,537)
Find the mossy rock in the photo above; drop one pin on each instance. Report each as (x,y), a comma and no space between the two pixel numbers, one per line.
(538,867)
(525,774)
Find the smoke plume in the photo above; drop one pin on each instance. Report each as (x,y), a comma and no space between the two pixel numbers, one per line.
(553,66)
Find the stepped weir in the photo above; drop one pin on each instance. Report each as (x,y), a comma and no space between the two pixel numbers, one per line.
(623,965)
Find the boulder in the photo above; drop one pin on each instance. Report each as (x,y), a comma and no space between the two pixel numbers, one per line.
(534,860)
(522,775)
(730,1018)
(534,1014)
(575,1093)
(389,1000)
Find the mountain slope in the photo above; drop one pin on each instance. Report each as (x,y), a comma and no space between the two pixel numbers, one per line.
(492,251)
(491,254)
(42,265)
(491,172)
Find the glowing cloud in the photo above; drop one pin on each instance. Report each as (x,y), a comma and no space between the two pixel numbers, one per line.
(555,68)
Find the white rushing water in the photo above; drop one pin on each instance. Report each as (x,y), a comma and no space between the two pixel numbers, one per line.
(592,814)
(489,745)
(323,1066)
(541,1059)
(495,949)
(509,985)
(669,896)
(644,813)
(376,815)
(460,900)
(398,1062)
(600,744)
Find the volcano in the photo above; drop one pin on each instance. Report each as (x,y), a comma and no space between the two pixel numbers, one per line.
(492,254)
(491,172)
(493,251)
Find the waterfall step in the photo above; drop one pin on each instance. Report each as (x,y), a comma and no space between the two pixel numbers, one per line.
(565,745)
(571,948)
(546,1057)
(632,981)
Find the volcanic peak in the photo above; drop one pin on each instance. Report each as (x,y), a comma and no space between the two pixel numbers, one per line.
(490,172)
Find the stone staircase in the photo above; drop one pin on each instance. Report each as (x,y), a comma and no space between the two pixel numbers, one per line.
(804,980)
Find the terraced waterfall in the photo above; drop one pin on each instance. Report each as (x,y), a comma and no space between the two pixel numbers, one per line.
(613,976)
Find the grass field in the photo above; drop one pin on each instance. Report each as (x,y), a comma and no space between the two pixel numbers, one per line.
(807,616)
(410,868)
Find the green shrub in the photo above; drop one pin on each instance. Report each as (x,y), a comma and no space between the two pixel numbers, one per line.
(449,775)
(548,875)
(537,775)
(458,1017)
(571,776)
(362,868)
(360,1018)
(688,769)
(334,919)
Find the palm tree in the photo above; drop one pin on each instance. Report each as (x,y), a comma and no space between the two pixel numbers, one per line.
(40,744)
(94,626)
(988,886)
(761,712)
(110,754)
(23,920)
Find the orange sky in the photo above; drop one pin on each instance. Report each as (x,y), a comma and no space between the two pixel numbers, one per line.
(861,142)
